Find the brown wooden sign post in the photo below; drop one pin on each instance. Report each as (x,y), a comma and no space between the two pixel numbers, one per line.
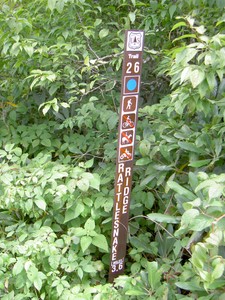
(131,80)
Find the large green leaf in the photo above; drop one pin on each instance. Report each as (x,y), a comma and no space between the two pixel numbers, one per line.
(197,76)
(200,222)
(180,190)
(161,218)
(100,241)
(85,242)
(51,4)
(189,286)
(90,224)
(154,275)
(103,33)
(40,203)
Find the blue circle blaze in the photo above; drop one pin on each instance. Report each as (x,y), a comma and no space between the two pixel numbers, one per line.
(131,84)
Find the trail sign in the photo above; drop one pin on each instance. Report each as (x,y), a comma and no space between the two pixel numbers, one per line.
(131,80)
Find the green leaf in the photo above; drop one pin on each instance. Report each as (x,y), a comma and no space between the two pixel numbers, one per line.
(69,215)
(132,17)
(74,212)
(218,271)
(135,268)
(54,87)
(80,273)
(100,241)
(185,36)
(110,85)
(180,190)
(46,142)
(65,105)
(6,178)
(200,29)
(18,267)
(54,261)
(154,276)
(59,289)
(9,147)
(136,292)
(220,3)
(90,224)
(60,5)
(112,121)
(89,269)
(29,49)
(191,147)
(200,222)
(87,61)
(88,164)
(172,10)
(3,153)
(83,184)
(199,256)
(216,190)
(211,80)
(95,182)
(79,209)
(199,163)
(144,147)
(38,283)
(18,151)
(51,4)
(40,204)
(85,242)
(161,218)
(185,56)
(97,22)
(103,33)
(189,286)
(32,271)
(180,24)
(196,77)
(143,161)
(78,231)
(71,185)
(185,75)
(46,108)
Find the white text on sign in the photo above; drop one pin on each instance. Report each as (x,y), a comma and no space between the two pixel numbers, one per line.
(121,207)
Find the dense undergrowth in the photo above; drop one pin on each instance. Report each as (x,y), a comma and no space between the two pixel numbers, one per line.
(59,97)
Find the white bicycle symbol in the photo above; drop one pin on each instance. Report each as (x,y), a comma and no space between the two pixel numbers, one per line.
(128,123)
(126,154)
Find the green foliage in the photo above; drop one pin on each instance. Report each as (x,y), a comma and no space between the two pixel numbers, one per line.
(60,88)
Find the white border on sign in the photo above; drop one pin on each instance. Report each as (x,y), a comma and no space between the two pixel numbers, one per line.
(125,155)
(135,41)
(137,77)
(136,104)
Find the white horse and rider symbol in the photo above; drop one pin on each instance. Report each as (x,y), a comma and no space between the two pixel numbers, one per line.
(127,137)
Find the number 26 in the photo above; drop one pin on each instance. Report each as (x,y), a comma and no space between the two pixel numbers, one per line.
(136,67)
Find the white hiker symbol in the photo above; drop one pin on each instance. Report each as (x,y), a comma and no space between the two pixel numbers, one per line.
(129,104)
(127,139)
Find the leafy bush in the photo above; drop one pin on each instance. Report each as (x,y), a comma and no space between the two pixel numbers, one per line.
(60,89)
